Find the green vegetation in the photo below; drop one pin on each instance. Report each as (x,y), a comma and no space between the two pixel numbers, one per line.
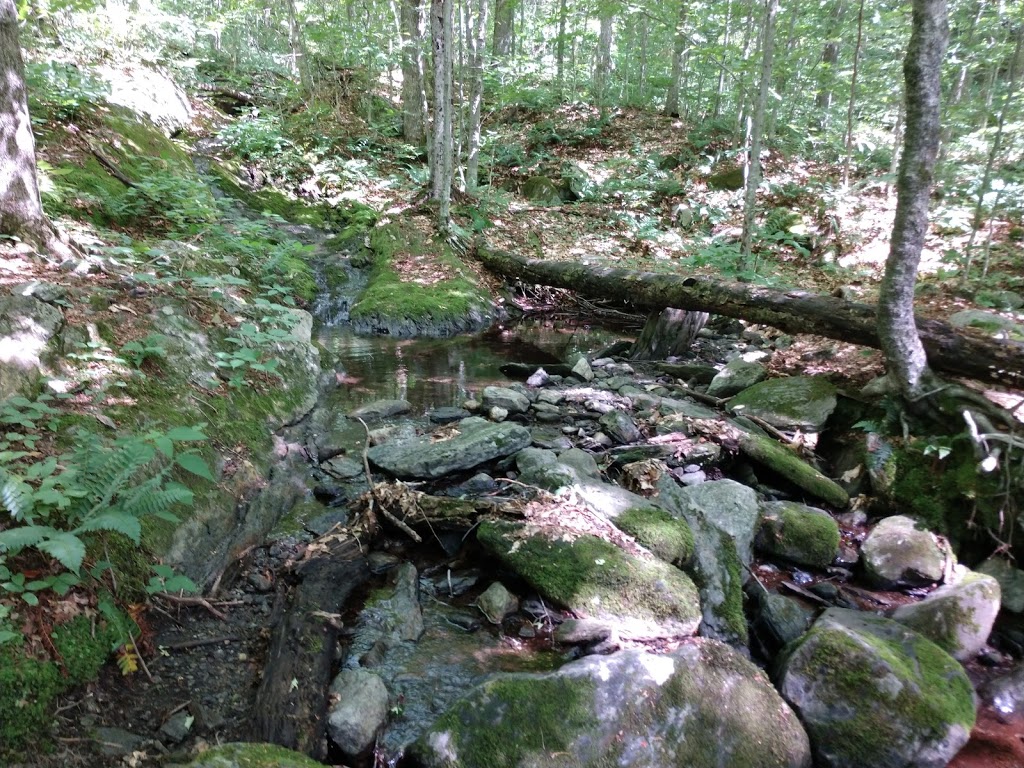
(253,756)
(668,537)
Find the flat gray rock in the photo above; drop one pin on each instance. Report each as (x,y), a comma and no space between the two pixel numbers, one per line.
(421,459)
(797,402)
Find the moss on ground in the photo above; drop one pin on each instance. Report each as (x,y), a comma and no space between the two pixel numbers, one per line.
(253,756)
(668,537)
(391,296)
(515,717)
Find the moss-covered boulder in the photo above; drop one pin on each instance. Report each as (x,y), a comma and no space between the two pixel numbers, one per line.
(737,375)
(797,402)
(252,756)
(900,553)
(872,693)
(701,706)
(957,617)
(798,534)
(542,190)
(642,597)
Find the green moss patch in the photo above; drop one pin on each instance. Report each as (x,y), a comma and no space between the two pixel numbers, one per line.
(799,534)
(668,537)
(595,578)
(253,756)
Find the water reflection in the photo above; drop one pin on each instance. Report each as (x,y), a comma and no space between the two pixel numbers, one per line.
(432,373)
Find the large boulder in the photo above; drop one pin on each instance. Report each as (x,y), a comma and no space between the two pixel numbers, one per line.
(1011,582)
(505,397)
(725,505)
(27,326)
(641,596)
(899,554)
(873,693)
(798,534)
(957,617)
(797,402)
(702,706)
(737,375)
(475,444)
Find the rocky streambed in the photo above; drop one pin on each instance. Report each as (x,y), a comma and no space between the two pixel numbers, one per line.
(603,563)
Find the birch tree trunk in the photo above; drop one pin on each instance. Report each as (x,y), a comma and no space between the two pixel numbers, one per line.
(414,97)
(442,162)
(300,58)
(21,210)
(560,49)
(672,99)
(504,28)
(922,69)
(477,41)
(756,131)
(853,96)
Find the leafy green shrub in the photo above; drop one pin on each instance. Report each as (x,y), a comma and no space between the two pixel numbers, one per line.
(57,91)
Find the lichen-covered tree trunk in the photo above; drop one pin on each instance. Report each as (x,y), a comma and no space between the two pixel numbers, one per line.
(414,97)
(21,210)
(672,99)
(442,161)
(476,92)
(922,69)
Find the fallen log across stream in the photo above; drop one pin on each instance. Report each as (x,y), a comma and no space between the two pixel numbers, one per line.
(994,360)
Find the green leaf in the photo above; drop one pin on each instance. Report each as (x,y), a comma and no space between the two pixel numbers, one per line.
(65,548)
(6,636)
(164,445)
(180,434)
(195,464)
(16,539)
(30,598)
(113,520)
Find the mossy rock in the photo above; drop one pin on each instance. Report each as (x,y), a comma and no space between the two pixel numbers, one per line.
(872,692)
(252,756)
(542,190)
(701,706)
(643,598)
(791,467)
(668,537)
(726,177)
(798,534)
(796,402)
(267,199)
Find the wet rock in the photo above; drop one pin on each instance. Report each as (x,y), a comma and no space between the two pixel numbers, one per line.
(582,462)
(957,617)
(176,728)
(798,534)
(693,373)
(381,409)
(736,376)
(334,434)
(343,468)
(496,603)
(115,742)
(249,755)
(542,468)
(397,614)
(1006,692)
(426,460)
(359,712)
(497,414)
(725,504)
(699,707)
(797,402)
(778,621)
(872,692)
(447,415)
(539,378)
(503,397)
(1011,582)
(620,427)
(328,521)
(899,554)
(640,597)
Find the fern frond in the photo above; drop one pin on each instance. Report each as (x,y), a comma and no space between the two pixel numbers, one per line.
(16,496)
(105,473)
(113,520)
(156,502)
(16,539)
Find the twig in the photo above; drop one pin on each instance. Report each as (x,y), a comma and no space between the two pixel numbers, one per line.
(700,397)
(373,490)
(111,168)
(142,661)
(200,601)
(200,642)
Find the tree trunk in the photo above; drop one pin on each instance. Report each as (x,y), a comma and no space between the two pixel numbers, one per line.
(560,49)
(504,29)
(442,161)
(21,210)
(853,96)
(476,93)
(668,333)
(414,97)
(672,99)
(300,59)
(996,360)
(829,60)
(753,179)
(922,69)
(721,69)
(603,62)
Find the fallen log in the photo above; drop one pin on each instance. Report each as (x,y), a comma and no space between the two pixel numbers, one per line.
(292,700)
(994,360)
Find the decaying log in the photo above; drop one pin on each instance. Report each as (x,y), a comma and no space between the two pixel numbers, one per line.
(292,700)
(984,359)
